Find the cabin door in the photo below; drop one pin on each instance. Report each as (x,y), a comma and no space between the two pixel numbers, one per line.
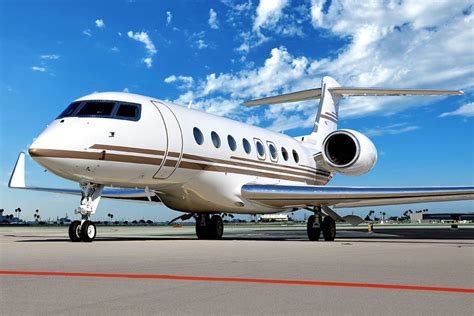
(174,142)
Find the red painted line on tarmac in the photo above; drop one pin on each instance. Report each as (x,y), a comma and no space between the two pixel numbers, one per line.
(238,280)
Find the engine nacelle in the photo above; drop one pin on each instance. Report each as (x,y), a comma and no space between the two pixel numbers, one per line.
(349,152)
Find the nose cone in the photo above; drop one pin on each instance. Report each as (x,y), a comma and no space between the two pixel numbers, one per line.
(46,149)
(41,151)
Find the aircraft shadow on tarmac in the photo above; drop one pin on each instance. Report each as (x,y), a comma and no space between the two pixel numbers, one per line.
(380,235)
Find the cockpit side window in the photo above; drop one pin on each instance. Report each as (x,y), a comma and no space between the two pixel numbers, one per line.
(69,110)
(128,111)
(99,109)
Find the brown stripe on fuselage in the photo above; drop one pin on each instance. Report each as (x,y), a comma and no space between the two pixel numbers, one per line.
(274,164)
(197,166)
(134,150)
(277,167)
(54,153)
(129,149)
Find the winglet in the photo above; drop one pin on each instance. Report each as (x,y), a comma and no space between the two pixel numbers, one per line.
(17,179)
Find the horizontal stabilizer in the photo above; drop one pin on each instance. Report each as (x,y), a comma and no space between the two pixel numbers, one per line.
(364,92)
(348,92)
(289,97)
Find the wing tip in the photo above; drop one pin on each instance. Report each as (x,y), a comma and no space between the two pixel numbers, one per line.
(17,179)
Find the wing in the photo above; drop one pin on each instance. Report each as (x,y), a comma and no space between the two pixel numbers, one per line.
(17,181)
(286,196)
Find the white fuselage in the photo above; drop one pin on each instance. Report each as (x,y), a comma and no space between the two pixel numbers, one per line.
(159,151)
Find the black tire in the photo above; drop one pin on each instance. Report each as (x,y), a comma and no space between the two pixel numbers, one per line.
(216,227)
(75,231)
(329,229)
(202,230)
(313,232)
(88,231)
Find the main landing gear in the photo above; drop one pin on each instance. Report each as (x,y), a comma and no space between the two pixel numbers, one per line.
(82,231)
(85,230)
(316,225)
(208,227)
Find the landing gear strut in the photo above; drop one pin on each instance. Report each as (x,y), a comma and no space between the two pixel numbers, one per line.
(315,226)
(209,227)
(85,230)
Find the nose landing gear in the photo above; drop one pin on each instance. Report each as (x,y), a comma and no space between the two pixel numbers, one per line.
(85,230)
(315,226)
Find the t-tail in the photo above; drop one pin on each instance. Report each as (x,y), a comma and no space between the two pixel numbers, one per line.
(341,150)
(330,94)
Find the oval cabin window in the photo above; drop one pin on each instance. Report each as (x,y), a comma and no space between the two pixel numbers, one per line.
(284,153)
(260,149)
(246,145)
(216,140)
(198,137)
(232,143)
(273,151)
(295,156)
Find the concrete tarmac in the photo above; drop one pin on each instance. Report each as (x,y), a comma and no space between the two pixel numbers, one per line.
(361,267)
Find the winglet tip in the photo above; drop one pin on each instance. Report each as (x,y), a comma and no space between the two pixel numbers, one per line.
(17,179)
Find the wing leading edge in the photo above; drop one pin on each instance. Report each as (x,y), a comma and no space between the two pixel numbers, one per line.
(285,196)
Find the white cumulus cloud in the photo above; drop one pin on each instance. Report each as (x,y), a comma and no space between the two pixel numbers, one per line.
(50,56)
(387,44)
(393,129)
(213,23)
(150,47)
(268,13)
(185,81)
(148,61)
(465,110)
(145,39)
(100,23)
(39,69)
(169,17)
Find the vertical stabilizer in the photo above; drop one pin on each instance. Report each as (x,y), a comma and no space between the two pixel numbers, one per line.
(326,119)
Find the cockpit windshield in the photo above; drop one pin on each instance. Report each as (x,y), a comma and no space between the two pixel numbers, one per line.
(103,109)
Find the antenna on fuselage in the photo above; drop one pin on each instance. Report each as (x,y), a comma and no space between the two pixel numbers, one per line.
(190,104)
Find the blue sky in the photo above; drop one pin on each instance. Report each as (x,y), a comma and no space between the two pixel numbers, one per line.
(221,53)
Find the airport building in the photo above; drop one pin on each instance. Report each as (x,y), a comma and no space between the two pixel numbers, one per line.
(8,219)
(441,217)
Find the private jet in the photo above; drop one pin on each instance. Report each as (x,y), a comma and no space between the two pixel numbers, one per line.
(125,146)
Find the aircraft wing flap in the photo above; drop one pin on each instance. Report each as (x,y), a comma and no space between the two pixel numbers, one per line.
(286,196)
